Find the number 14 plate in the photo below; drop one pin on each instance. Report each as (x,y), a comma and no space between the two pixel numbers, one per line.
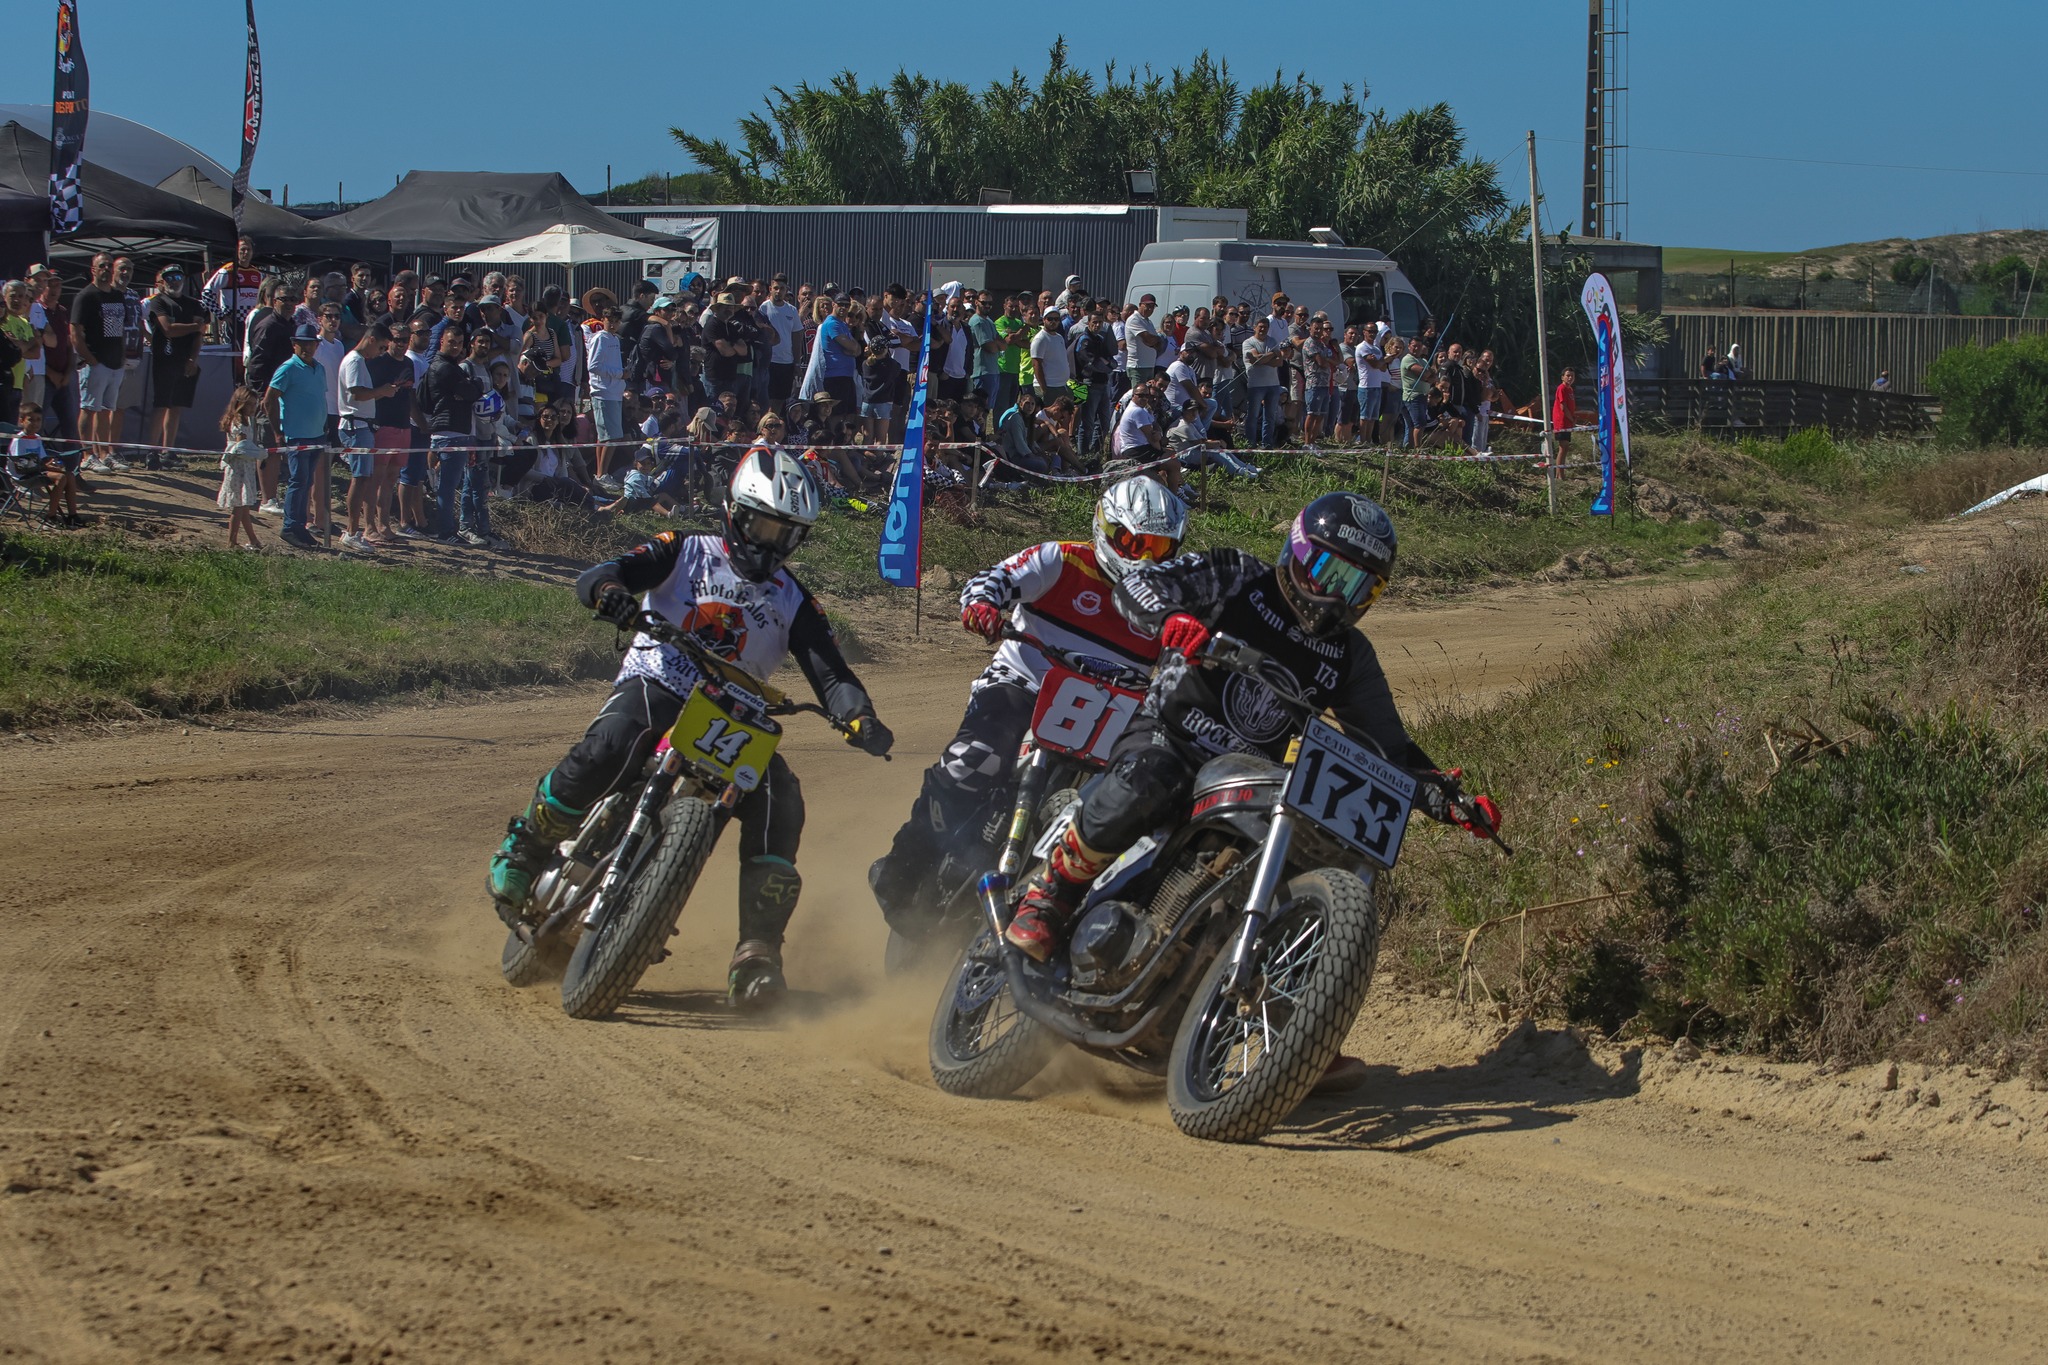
(1351,792)
(711,736)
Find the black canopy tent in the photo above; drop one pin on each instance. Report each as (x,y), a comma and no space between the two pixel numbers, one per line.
(448,213)
(278,232)
(118,212)
(22,220)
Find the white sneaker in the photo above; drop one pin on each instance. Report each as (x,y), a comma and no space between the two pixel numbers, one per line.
(473,540)
(351,541)
(113,464)
(274,507)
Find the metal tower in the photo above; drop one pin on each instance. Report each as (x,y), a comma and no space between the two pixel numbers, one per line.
(1603,207)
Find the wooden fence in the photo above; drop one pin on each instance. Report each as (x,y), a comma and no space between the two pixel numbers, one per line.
(1848,350)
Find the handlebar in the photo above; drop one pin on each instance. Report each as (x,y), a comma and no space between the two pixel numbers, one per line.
(1087,665)
(774,701)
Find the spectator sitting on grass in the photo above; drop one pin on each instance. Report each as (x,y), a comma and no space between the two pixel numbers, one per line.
(640,493)
(1053,435)
(33,466)
(1015,431)
(552,475)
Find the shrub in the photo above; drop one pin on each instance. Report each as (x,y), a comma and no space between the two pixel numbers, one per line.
(1910,271)
(1807,455)
(1993,395)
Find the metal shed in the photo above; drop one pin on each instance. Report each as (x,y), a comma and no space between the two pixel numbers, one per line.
(1000,247)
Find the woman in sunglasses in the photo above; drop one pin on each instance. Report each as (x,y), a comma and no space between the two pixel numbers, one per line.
(1303,612)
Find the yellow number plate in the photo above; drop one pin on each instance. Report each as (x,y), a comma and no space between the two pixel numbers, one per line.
(710,736)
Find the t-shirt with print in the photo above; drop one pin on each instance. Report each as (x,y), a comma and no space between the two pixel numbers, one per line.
(1137,354)
(1255,375)
(102,315)
(131,326)
(1315,364)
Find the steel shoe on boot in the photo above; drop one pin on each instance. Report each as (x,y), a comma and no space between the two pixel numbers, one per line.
(528,840)
(754,981)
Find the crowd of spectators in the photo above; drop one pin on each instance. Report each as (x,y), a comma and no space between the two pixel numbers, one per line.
(436,396)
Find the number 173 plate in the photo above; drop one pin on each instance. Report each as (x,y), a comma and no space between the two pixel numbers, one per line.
(1351,792)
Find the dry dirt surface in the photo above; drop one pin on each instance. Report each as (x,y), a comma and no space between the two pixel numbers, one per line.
(264,1097)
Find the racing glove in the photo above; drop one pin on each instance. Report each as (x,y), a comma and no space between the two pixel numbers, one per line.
(616,605)
(1183,634)
(868,734)
(1491,814)
(983,619)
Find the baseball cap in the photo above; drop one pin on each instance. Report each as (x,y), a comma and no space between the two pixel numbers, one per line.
(663,301)
(728,297)
(492,298)
(305,332)
(1073,280)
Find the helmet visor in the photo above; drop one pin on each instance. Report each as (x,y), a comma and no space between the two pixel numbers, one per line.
(1138,545)
(770,532)
(1336,579)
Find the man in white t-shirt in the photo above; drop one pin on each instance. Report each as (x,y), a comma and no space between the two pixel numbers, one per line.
(1051,366)
(1372,383)
(1180,384)
(1141,341)
(780,314)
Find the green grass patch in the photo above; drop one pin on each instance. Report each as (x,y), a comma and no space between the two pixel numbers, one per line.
(96,626)
(1815,806)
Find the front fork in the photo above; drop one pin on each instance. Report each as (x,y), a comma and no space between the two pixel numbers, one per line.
(644,825)
(994,887)
(1258,905)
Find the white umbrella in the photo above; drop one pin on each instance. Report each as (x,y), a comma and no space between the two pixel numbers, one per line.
(565,244)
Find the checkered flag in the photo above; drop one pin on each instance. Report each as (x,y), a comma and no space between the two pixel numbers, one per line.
(67,202)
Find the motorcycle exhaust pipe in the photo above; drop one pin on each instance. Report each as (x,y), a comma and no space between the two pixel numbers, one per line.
(994,888)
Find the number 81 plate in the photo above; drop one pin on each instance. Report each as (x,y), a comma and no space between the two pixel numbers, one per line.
(1351,792)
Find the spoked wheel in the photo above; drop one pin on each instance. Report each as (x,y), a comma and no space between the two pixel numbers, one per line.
(1240,1066)
(982,1045)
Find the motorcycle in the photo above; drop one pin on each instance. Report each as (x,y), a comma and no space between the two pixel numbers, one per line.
(607,900)
(1229,951)
(1084,703)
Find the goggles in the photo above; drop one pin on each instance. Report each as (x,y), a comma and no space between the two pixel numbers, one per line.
(1137,545)
(770,532)
(1329,576)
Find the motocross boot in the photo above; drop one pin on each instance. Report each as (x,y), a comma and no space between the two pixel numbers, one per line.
(1045,912)
(528,839)
(769,887)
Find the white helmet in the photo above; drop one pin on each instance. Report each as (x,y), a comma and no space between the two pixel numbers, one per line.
(1138,521)
(770,508)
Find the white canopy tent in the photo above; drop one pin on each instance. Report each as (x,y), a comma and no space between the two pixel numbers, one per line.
(565,244)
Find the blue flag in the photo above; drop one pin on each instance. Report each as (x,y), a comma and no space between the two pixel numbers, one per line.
(1598,300)
(901,557)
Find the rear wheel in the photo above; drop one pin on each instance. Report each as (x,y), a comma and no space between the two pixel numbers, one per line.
(610,959)
(1239,1068)
(530,964)
(982,1046)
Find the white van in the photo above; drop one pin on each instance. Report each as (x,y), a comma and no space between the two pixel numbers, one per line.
(1353,284)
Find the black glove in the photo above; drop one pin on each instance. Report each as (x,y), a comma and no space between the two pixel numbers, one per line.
(869,735)
(616,605)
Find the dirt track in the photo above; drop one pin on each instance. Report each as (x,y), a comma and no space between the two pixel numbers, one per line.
(264,1097)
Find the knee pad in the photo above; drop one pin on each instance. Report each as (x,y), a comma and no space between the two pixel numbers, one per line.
(969,766)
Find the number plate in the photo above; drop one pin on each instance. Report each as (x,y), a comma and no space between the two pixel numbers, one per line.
(710,736)
(1080,716)
(1351,792)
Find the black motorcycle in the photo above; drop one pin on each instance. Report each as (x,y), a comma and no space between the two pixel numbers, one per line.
(1229,951)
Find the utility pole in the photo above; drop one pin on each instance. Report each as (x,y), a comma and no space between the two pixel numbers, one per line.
(1542,341)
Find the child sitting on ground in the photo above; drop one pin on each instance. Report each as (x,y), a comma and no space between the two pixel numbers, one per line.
(34,465)
(239,490)
(640,494)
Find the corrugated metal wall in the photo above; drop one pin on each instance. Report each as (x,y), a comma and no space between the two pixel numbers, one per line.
(872,246)
(1833,348)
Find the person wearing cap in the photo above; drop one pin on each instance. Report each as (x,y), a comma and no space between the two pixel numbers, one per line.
(295,400)
(174,326)
(651,367)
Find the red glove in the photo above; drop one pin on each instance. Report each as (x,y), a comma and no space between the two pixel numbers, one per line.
(981,619)
(1487,809)
(1183,634)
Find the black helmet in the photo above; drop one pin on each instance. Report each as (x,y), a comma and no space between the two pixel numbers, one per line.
(1337,560)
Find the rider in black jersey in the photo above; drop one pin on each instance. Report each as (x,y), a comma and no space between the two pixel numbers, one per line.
(1303,613)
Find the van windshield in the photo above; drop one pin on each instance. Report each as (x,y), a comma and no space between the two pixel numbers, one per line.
(1408,315)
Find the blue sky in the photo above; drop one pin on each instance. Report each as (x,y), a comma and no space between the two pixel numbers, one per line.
(359,92)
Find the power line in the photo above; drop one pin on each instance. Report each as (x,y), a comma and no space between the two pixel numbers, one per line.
(1813,161)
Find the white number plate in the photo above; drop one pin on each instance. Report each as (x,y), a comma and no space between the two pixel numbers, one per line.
(1079,716)
(1351,792)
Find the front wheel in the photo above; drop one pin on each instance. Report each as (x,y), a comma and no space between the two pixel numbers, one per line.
(982,1046)
(1239,1068)
(610,958)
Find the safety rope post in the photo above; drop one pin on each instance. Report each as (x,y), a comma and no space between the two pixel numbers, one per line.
(1542,339)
